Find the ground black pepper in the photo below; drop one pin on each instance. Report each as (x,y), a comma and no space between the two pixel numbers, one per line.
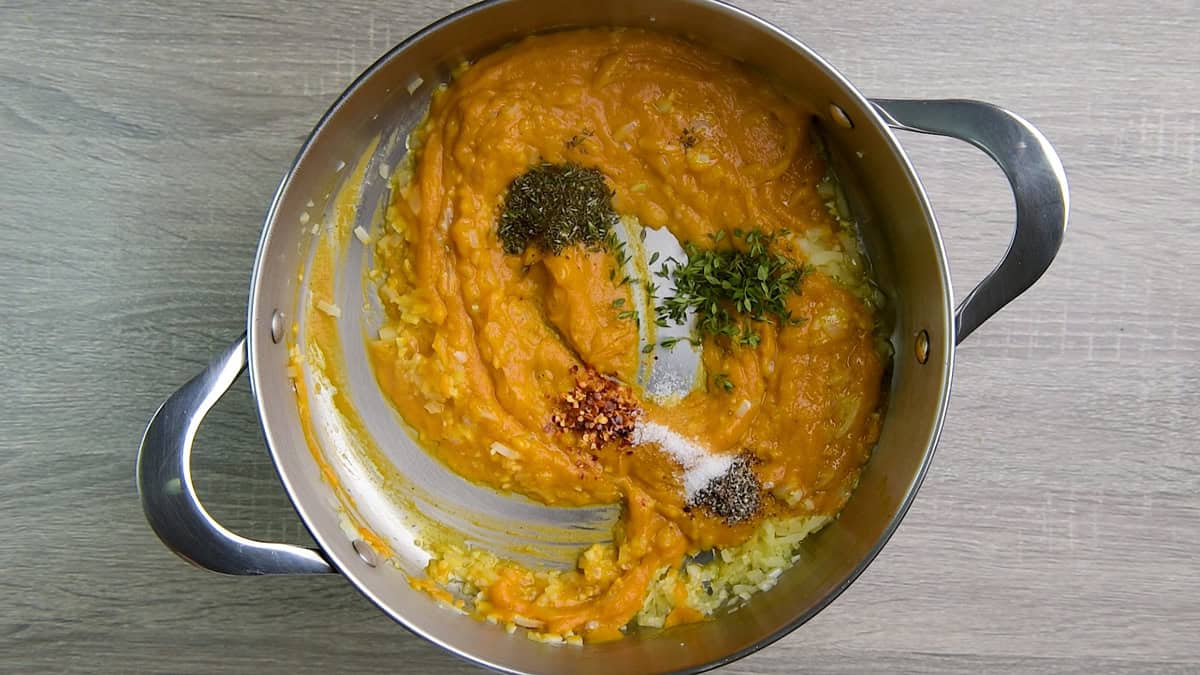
(735,496)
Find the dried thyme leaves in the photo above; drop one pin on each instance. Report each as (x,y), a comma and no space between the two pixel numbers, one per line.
(553,206)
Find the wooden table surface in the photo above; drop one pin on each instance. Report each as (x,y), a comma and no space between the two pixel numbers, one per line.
(140,145)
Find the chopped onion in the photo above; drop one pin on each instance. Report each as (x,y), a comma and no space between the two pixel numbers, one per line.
(526,622)
(498,448)
(700,160)
(329,308)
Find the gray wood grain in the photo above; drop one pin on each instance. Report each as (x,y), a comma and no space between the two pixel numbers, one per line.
(140,145)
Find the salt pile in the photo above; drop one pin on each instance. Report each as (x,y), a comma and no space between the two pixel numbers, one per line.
(700,467)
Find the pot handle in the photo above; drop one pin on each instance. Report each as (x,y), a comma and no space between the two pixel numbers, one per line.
(1039,187)
(164,479)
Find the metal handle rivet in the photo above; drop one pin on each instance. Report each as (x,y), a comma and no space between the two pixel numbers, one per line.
(277,327)
(365,552)
(922,346)
(840,117)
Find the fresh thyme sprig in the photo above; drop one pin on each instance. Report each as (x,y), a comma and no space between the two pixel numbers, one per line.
(722,380)
(730,288)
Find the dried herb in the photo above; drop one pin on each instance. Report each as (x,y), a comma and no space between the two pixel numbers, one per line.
(553,206)
(574,141)
(732,287)
(687,139)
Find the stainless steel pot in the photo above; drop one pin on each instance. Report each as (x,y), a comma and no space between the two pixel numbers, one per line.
(902,239)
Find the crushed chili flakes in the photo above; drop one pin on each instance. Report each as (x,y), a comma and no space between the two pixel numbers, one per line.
(600,409)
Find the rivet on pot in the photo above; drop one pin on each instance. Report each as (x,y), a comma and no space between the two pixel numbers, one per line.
(365,552)
(277,327)
(840,117)
(922,345)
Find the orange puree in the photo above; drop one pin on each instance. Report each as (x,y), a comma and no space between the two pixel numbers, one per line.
(479,344)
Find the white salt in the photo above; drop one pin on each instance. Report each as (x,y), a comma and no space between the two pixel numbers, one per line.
(699,465)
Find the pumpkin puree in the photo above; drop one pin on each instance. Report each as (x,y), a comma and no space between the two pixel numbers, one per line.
(479,345)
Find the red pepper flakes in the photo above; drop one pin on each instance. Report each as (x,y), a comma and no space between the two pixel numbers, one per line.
(600,409)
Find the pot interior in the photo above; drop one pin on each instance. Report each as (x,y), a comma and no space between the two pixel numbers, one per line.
(378,111)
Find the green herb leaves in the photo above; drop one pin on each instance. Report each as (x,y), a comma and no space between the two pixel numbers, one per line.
(730,288)
(722,380)
(553,206)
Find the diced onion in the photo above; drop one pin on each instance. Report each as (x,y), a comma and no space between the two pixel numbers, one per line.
(329,308)
(498,448)
(700,160)
(524,621)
